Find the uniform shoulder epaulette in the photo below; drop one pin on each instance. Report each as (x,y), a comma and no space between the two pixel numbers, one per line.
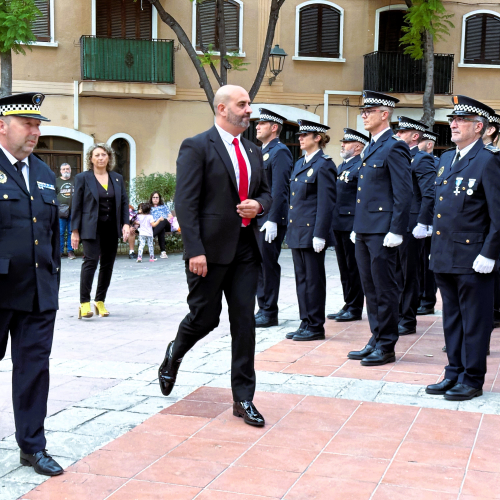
(327,157)
(492,148)
(450,149)
(397,137)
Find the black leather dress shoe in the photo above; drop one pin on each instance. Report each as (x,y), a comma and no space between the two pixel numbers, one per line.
(336,315)
(422,311)
(441,387)
(247,411)
(290,335)
(42,463)
(167,373)
(368,349)
(264,321)
(462,392)
(258,314)
(306,335)
(347,316)
(379,357)
(405,331)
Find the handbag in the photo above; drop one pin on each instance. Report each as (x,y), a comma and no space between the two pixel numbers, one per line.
(63,211)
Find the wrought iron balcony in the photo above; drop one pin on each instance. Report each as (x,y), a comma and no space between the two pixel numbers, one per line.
(127,60)
(399,73)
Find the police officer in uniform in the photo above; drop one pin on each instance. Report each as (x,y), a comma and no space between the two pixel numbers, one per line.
(29,267)
(312,201)
(380,221)
(278,163)
(352,144)
(421,212)
(465,247)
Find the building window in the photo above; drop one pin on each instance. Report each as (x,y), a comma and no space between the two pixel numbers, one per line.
(482,39)
(41,25)
(124,19)
(206,31)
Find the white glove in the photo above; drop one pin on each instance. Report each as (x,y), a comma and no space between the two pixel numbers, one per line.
(483,265)
(353,237)
(429,231)
(419,231)
(271,229)
(318,244)
(392,240)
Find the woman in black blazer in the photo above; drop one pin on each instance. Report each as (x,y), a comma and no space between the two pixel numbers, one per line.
(99,216)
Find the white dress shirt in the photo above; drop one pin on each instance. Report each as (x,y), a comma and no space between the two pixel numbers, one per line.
(465,150)
(308,158)
(375,138)
(25,169)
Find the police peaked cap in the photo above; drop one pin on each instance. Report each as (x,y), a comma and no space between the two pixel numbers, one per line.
(306,126)
(351,135)
(374,99)
(266,115)
(26,105)
(494,119)
(466,106)
(431,136)
(406,123)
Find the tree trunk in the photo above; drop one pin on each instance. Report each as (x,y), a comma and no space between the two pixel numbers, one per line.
(428,99)
(6,62)
(222,42)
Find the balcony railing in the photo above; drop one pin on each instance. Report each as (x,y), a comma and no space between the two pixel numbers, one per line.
(126,60)
(399,73)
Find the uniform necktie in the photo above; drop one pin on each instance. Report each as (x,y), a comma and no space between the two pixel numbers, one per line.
(457,158)
(243,186)
(19,165)
(369,148)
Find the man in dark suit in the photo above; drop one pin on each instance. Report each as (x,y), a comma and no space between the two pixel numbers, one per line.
(221,189)
(465,247)
(29,270)
(381,220)
(352,144)
(410,251)
(278,164)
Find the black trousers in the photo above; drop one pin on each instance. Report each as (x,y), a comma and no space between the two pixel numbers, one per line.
(268,286)
(238,282)
(310,280)
(496,292)
(428,287)
(410,257)
(377,269)
(349,273)
(31,336)
(467,320)
(102,249)
(159,231)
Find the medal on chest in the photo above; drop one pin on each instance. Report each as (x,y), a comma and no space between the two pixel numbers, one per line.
(471,185)
(458,181)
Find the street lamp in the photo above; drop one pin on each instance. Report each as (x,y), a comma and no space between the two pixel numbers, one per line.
(276,62)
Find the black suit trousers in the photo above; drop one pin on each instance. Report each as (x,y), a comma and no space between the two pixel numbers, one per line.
(268,287)
(428,287)
(349,273)
(467,321)
(238,282)
(496,293)
(31,336)
(377,268)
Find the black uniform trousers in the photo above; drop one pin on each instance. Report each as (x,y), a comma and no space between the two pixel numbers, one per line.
(349,273)
(410,257)
(103,248)
(31,336)
(377,269)
(268,286)
(467,320)
(496,293)
(428,287)
(310,280)
(238,282)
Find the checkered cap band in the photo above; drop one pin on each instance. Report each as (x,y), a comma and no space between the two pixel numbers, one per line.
(271,118)
(8,109)
(429,136)
(494,119)
(472,110)
(412,126)
(312,128)
(379,102)
(352,137)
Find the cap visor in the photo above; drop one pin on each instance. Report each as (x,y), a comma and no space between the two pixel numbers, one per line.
(36,117)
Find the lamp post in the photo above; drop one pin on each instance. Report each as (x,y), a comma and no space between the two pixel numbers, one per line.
(276,62)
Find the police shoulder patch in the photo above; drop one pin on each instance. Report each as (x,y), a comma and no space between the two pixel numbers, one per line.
(397,137)
(492,148)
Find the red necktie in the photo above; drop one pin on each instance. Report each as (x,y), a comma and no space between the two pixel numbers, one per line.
(243,187)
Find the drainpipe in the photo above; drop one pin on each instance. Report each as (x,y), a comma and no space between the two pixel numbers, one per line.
(76,105)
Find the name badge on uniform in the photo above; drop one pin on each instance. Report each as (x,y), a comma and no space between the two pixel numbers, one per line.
(3,178)
(471,185)
(310,172)
(266,157)
(43,185)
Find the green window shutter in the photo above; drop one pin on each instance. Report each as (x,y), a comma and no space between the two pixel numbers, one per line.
(319,31)
(208,23)
(41,25)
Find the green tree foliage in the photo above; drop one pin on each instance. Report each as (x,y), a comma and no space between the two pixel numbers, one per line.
(144,185)
(16,18)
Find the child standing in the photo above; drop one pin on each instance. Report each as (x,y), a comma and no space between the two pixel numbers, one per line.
(147,223)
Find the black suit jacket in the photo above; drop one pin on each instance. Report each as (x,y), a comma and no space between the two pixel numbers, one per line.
(29,237)
(85,205)
(207,194)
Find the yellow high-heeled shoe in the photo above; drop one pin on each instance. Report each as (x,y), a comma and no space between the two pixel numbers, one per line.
(84,311)
(100,309)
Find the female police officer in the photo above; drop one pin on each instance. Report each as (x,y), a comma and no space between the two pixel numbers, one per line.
(312,200)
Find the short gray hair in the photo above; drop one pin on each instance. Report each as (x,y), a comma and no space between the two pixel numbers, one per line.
(388,109)
(484,121)
(100,145)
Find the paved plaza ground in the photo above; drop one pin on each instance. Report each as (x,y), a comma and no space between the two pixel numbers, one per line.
(333,429)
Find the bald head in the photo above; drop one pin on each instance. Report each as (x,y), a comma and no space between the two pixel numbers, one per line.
(232,109)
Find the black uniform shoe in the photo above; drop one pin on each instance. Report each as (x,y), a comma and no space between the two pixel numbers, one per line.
(42,463)
(462,392)
(368,349)
(379,357)
(405,331)
(167,373)
(290,335)
(347,316)
(258,313)
(422,311)
(132,255)
(336,315)
(247,411)
(441,387)
(264,321)
(306,335)
(444,349)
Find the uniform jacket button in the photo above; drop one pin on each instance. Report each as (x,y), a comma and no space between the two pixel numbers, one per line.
(440,198)
(438,232)
(359,189)
(34,219)
(439,216)
(445,182)
(36,242)
(36,265)
(359,201)
(380,208)
(32,198)
(467,241)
